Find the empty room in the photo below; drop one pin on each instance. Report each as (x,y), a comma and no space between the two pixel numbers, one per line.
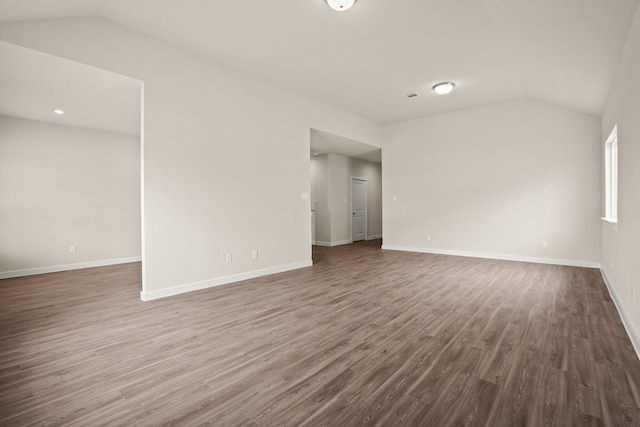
(319,213)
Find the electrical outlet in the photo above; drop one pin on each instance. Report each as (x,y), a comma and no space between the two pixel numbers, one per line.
(228,258)
(428,236)
(254,254)
(545,244)
(72,249)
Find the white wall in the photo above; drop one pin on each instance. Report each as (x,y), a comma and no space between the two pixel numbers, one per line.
(320,197)
(62,186)
(225,157)
(331,181)
(339,193)
(621,241)
(495,181)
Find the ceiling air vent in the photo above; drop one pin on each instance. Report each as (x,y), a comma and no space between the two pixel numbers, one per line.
(412,95)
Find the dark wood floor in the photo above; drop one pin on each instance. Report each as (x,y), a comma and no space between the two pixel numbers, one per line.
(365,337)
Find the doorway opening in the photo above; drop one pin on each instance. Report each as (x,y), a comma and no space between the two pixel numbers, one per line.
(340,213)
(72,153)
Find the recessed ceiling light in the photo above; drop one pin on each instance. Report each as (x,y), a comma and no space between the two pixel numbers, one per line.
(340,5)
(443,88)
(58,111)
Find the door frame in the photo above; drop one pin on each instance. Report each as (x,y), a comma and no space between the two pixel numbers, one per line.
(366,207)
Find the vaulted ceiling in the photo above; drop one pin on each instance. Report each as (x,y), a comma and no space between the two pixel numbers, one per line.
(366,60)
(34,84)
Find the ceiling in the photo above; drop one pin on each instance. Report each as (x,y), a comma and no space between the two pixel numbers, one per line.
(325,142)
(33,84)
(367,59)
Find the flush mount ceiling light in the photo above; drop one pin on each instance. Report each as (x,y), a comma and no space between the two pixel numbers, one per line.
(58,111)
(443,88)
(340,5)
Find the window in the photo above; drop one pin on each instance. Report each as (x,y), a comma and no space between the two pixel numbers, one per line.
(611,176)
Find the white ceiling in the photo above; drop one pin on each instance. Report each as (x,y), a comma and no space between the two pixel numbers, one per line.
(325,142)
(33,84)
(367,59)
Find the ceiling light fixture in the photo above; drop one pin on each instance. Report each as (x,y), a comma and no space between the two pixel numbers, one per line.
(58,111)
(340,5)
(443,88)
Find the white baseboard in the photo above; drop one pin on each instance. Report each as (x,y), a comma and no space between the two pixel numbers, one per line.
(176,290)
(331,244)
(555,261)
(67,267)
(374,237)
(628,326)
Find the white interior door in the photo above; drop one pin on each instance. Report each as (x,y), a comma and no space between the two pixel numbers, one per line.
(358,209)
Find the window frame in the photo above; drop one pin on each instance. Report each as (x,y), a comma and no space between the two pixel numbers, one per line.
(611,177)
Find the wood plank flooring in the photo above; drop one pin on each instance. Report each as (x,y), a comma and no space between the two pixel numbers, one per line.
(364,337)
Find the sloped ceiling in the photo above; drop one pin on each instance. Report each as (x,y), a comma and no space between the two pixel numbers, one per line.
(34,84)
(367,59)
(325,142)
